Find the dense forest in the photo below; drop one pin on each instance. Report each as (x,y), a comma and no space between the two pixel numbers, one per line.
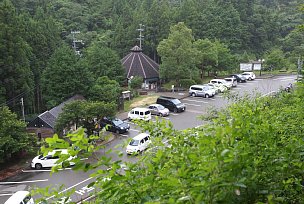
(38,40)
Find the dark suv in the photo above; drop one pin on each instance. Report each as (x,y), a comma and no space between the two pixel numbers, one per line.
(114,125)
(173,104)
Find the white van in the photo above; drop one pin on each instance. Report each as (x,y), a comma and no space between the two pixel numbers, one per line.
(140,114)
(20,197)
(139,143)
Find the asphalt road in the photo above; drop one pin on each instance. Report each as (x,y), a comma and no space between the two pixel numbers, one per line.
(196,106)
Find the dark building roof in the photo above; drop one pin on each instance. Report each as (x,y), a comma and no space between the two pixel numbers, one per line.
(48,118)
(138,64)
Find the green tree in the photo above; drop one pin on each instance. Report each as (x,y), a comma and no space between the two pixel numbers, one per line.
(105,89)
(177,53)
(16,77)
(104,61)
(84,114)
(276,60)
(13,136)
(65,75)
(207,54)
(226,61)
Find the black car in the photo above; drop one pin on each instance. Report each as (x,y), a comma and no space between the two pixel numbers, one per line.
(239,78)
(173,104)
(114,125)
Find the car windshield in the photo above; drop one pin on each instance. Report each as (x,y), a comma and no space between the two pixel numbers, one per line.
(160,107)
(134,142)
(117,122)
(239,75)
(176,101)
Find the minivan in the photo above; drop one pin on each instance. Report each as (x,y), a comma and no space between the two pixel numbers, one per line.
(20,197)
(173,104)
(139,143)
(140,114)
(201,90)
(231,80)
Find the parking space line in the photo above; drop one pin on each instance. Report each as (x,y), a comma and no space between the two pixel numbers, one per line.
(18,182)
(135,130)
(42,170)
(237,88)
(195,111)
(241,85)
(174,114)
(198,101)
(189,104)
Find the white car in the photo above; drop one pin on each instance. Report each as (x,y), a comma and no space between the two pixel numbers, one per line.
(20,197)
(221,81)
(249,75)
(201,90)
(138,144)
(220,88)
(232,80)
(157,109)
(140,114)
(50,159)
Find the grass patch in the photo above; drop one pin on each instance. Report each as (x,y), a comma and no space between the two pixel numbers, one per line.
(140,101)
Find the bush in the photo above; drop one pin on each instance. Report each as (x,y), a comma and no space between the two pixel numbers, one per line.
(186,83)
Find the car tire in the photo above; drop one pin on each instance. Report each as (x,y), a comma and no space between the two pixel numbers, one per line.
(249,78)
(175,110)
(160,114)
(193,94)
(38,166)
(117,131)
(207,96)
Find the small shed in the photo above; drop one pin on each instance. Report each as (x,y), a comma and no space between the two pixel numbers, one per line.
(138,64)
(44,124)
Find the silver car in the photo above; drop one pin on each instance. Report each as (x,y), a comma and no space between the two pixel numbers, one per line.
(157,109)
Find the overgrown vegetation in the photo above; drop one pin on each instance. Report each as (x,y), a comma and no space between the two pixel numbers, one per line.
(252,152)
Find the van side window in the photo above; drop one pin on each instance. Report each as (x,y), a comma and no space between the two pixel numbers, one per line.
(137,112)
(141,113)
(142,141)
(147,112)
(132,112)
(146,138)
(27,199)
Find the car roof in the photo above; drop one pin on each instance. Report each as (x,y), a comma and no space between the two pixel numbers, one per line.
(17,197)
(155,104)
(140,136)
(140,109)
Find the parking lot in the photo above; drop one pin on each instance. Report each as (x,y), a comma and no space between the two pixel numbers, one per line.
(196,106)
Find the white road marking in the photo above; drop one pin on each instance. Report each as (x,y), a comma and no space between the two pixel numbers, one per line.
(134,130)
(241,85)
(237,88)
(70,187)
(198,101)
(189,104)
(194,111)
(42,170)
(18,182)
(6,194)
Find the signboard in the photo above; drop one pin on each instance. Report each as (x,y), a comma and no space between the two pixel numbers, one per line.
(257,66)
(246,67)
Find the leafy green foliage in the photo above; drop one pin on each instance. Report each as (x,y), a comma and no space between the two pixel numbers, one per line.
(65,76)
(250,153)
(84,114)
(177,53)
(13,137)
(105,90)
(186,83)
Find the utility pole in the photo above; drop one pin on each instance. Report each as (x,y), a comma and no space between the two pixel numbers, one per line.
(22,108)
(76,41)
(141,37)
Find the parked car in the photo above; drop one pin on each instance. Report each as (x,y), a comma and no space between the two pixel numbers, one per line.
(140,114)
(114,125)
(249,75)
(216,89)
(201,90)
(221,81)
(239,78)
(138,144)
(20,197)
(157,109)
(231,80)
(51,159)
(221,88)
(173,104)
